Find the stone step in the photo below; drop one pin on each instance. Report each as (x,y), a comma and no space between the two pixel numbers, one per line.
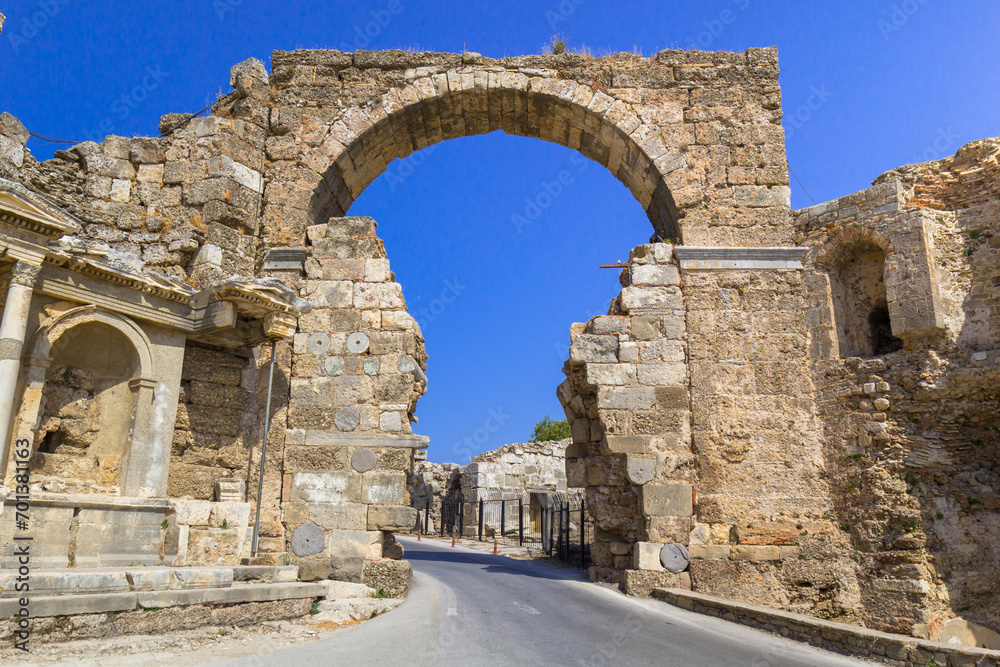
(94,603)
(91,581)
(338,590)
(265,574)
(354,609)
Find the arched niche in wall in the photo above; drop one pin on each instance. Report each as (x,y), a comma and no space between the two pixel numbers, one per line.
(856,264)
(86,401)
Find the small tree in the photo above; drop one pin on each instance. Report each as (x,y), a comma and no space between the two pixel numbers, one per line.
(548,429)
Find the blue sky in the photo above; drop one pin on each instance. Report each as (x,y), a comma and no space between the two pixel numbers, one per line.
(867,86)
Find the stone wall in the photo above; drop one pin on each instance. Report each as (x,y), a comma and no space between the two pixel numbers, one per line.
(186,203)
(716,406)
(517,470)
(93,531)
(695,136)
(431,484)
(910,434)
(357,370)
(626,396)
(695,424)
(211,434)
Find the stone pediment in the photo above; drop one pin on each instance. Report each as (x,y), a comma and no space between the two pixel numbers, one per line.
(23,209)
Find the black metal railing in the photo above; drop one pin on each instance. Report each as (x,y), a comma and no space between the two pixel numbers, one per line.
(546,522)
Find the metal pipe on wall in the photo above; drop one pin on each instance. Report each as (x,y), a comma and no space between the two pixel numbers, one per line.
(263,451)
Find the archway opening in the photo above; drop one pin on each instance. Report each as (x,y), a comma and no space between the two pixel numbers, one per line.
(86,413)
(497,242)
(857,281)
(626,145)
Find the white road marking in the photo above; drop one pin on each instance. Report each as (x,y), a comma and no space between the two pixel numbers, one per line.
(452,598)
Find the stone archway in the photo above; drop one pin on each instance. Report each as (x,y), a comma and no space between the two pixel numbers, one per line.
(698,143)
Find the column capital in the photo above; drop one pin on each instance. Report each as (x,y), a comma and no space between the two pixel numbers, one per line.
(142,383)
(24,273)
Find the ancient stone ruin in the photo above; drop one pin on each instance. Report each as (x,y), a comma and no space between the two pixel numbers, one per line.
(529,471)
(805,400)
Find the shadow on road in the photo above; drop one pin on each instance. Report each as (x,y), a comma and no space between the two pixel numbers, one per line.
(492,564)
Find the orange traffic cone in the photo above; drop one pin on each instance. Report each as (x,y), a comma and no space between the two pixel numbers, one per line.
(494,546)
(418,535)
(453,540)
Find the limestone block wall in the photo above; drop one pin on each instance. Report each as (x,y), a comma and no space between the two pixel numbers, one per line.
(626,396)
(430,484)
(873,227)
(517,470)
(211,533)
(910,435)
(212,436)
(95,531)
(160,199)
(695,136)
(357,370)
(359,346)
(695,423)
(755,429)
(764,532)
(959,194)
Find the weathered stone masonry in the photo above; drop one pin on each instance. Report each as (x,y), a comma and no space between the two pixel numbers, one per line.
(805,400)
(534,472)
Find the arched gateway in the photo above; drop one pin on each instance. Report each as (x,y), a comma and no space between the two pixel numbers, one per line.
(695,137)
(692,405)
(664,394)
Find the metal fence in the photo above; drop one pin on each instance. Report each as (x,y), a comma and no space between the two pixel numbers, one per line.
(555,524)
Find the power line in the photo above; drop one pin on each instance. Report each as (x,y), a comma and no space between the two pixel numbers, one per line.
(42,137)
(800,184)
(53,140)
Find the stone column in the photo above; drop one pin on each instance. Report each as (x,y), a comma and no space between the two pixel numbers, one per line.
(144,467)
(12,331)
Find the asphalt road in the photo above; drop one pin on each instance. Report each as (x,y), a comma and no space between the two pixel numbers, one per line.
(470,608)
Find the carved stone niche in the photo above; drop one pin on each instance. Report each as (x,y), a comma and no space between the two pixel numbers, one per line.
(229,490)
